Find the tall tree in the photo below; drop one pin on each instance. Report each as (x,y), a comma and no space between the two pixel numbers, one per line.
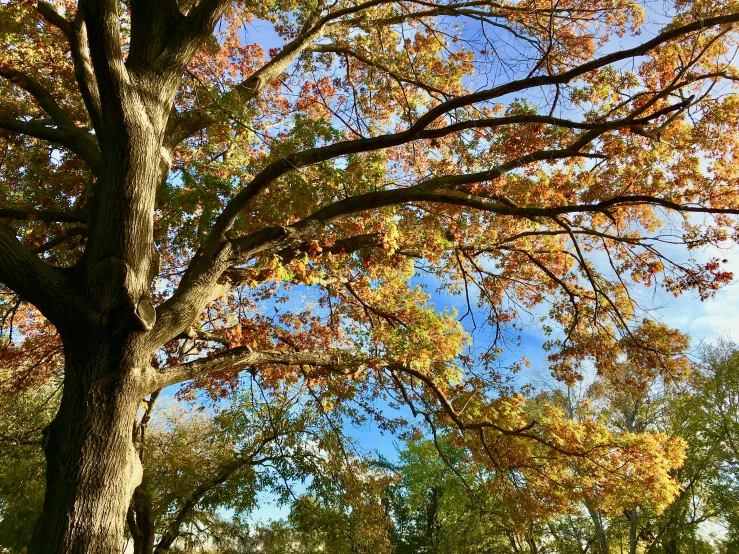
(631,392)
(170,193)
(692,401)
(710,419)
(440,504)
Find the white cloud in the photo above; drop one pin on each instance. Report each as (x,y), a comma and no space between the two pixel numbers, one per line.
(717,316)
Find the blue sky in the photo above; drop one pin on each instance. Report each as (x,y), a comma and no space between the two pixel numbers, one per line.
(703,320)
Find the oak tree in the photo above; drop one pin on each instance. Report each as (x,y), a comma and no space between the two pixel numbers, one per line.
(186,196)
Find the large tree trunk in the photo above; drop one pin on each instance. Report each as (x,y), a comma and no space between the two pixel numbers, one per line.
(101,305)
(92,465)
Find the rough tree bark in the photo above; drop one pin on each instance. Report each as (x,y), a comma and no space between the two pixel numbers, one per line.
(92,466)
(141,521)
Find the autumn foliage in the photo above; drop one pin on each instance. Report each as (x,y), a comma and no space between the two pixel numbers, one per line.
(304,203)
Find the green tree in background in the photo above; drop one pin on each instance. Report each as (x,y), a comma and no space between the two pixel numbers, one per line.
(204,469)
(22,420)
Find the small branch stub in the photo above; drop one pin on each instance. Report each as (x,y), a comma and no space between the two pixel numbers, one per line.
(146,314)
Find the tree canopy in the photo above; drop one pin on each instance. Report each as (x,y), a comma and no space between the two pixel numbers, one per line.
(193,190)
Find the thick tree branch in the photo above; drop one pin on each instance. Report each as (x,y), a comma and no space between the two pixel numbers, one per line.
(34,281)
(240,276)
(218,252)
(191,122)
(84,72)
(76,140)
(199,282)
(316,155)
(567,76)
(76,33)
(21,213)
(242,358)
(54,17)
(66,133)
(176,312)
(239,359)
(103,33)
(61,237)
(428,191)
(42,96)
(165,35)
(364,22)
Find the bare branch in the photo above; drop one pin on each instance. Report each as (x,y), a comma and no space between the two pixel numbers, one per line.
(54,17)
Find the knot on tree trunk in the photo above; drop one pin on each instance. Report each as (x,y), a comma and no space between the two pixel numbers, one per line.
(146,314)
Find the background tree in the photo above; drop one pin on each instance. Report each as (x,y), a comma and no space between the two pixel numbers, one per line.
(170,192)
(205,465)
(353,521)
(679,404)
(22,420)
(439,504)
(712,414)
(198,465)
(632,392)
